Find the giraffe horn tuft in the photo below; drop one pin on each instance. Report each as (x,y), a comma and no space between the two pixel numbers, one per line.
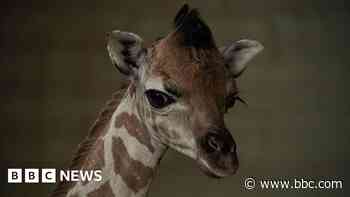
(181,14)
(193,30)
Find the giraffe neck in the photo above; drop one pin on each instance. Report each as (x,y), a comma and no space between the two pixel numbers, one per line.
(127,154)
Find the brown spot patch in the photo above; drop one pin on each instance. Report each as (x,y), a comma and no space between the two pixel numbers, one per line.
(104,190)
(135,175)
(134,128)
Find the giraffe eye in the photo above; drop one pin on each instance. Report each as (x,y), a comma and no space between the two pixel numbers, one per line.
(158,99)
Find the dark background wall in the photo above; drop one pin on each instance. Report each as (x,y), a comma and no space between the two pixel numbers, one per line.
(55,76)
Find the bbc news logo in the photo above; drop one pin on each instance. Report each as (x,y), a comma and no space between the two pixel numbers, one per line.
(51,175)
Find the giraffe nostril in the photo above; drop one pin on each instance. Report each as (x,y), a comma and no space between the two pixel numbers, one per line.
(219,142)
(213,144)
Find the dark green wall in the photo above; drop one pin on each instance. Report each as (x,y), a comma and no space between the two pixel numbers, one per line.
(55,76)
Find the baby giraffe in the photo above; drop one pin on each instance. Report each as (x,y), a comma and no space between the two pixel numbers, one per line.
(179,90)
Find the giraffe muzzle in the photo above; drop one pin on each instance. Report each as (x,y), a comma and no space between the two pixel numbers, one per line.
(217,154)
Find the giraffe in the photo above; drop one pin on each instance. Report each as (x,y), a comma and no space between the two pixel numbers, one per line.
(179,89)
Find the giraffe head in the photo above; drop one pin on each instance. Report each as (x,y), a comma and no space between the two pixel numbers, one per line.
(183,86)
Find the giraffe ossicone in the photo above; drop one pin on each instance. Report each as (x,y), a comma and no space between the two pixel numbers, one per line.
(179,89)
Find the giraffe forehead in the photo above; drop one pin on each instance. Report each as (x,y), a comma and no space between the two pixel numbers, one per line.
(189,68)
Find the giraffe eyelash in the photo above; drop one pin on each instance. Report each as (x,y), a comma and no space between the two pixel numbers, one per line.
(240,99)
(237,97)
(231,100)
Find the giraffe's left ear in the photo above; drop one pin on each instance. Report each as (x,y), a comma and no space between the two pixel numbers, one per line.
(126,51)
(239,53)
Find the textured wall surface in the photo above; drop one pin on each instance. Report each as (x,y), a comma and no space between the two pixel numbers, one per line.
(55,76)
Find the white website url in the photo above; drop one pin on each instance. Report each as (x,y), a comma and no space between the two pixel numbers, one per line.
(297,184)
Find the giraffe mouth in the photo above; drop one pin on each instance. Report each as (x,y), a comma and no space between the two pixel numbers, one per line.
(209,171)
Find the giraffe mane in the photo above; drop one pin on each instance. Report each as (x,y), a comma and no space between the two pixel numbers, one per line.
(97,130)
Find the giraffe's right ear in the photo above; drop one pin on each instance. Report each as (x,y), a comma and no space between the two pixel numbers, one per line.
(239,53)
(126,51)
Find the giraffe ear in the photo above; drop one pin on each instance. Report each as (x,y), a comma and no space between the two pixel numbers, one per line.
(126,51)
(239,53)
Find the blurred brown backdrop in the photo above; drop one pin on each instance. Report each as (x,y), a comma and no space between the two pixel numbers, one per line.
(55,76)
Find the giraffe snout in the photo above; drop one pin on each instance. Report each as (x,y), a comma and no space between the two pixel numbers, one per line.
(218,153)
